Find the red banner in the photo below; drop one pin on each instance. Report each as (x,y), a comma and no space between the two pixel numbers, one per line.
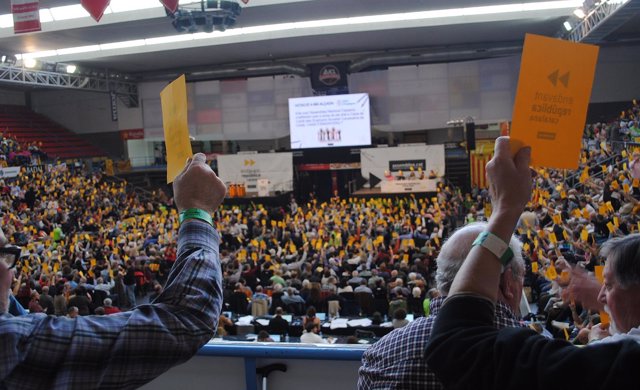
(95,8)
(171,5)
(26,16)
(314,167)
(132,134)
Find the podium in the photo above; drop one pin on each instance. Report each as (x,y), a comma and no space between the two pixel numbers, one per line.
(263,187)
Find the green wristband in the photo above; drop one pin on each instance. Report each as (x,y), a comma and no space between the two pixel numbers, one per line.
(496,246)
(197,214)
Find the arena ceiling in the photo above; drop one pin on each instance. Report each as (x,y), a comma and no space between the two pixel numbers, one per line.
(265,34)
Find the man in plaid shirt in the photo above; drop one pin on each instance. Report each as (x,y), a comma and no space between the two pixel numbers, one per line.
(397,360)
(126,350)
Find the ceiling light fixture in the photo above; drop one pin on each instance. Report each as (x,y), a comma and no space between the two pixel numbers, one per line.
(78,49)
(579,13)
(68,12)
(30,63)
(122,45)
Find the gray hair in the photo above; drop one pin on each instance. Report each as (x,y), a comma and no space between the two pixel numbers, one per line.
(623,255)
(107,302)
(456,249)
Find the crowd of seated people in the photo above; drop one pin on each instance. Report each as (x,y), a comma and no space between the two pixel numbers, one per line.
(83,236)
(86,240)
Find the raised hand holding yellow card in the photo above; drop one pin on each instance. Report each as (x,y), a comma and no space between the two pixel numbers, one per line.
(550,110)
(176,130)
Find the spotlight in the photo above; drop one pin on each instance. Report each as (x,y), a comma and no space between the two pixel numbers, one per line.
(30,63)
(567,25)
(66,68)
(579,13)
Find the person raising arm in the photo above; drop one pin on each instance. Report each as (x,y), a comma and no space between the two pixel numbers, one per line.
(126,350)
(463,335)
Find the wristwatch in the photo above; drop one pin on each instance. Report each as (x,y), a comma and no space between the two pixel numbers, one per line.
(496,246)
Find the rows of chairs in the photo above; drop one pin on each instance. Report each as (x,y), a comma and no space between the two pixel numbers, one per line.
(28,127)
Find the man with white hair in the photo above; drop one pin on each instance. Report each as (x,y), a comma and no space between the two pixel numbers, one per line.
(520,358)
(109,308)
(397,360)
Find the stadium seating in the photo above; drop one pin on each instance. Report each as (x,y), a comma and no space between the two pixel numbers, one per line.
(27,126)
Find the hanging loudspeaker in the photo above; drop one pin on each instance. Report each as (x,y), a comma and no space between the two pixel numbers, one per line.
(470,136)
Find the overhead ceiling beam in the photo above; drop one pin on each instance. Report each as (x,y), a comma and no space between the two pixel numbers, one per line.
(432,55)
(606,18)
(127,91)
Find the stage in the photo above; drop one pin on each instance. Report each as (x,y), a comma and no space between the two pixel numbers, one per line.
(278,199)
(393,188)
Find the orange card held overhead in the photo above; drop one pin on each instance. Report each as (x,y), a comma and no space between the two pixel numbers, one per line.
(550,110)
(176,130)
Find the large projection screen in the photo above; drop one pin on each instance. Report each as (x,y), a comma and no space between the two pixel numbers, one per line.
(330,121)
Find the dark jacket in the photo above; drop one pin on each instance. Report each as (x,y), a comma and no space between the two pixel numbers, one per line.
(278,325)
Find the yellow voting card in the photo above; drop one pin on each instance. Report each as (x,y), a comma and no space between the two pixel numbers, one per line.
(554,88)
(176,130)
(598,270)
(584,235)
(551,273)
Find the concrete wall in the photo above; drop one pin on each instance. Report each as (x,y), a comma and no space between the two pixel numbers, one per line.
(12,96)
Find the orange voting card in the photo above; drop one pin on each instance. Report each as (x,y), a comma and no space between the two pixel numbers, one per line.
(550,110)
(598,270)
(176,131)
(604,318)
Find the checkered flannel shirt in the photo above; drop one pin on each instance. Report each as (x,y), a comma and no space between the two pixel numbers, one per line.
(397,360)
(123,350)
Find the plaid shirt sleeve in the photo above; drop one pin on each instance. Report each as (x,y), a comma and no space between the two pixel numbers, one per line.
(124,350)
(397,360)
